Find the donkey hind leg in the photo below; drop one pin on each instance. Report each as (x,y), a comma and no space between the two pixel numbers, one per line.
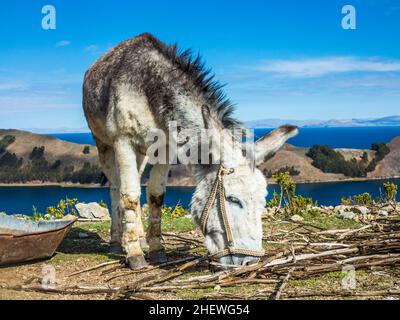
(155,198)
(141,165)
(107,161)
(129,202)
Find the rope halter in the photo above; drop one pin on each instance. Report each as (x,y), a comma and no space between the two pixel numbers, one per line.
(218,191)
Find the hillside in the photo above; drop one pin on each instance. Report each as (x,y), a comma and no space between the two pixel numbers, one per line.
(55,149)
(27,157)
(390,165)
(76,166)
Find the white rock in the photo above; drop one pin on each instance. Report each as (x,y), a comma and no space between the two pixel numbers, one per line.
(347,215)
(383,213)
(92,211)
(361,210)
(388,209)
(341,208)
(296,218)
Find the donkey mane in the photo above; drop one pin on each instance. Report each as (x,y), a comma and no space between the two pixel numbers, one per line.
(194,68)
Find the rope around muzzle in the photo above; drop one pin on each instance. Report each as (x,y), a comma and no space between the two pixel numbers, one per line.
(218,190)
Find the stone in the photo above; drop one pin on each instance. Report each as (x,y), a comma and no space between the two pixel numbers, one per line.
(92,211)
(347,215)
(82,235)
(296,218)
(361,210)
(341,208)
(382,213)
(388,209)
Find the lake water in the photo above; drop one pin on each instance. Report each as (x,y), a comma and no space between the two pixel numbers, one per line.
(354,137)
(21,199)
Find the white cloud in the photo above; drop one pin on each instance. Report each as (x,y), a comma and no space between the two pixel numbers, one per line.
(328,65)
(63,43)
(92,49)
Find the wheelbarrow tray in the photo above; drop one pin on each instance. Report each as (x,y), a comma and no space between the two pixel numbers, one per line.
(23,240)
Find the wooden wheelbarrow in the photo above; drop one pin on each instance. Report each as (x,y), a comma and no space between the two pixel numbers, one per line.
(24,240)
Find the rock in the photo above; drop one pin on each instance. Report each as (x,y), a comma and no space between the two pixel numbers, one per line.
(82,235)
(341,208)
(347,215)
(92,211)
(383,213)
(388,209)
(361,210)
(296,218)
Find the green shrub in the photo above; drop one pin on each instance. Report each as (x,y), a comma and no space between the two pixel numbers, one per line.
(291,170)
(5,142)
(331,161)
(364,199)
(103,204)
(390,191)
(63,208)
(293,203)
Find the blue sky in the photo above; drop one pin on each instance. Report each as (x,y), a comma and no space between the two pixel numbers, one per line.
(279,59)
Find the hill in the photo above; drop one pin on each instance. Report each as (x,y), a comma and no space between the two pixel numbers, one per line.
(34,157)
(390,165)
(27,157)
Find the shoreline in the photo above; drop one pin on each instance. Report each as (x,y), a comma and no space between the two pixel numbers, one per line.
(271,182)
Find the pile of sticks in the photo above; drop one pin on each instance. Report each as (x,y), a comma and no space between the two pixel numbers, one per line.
(301,253)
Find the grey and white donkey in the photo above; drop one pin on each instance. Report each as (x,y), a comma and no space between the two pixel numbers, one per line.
(143,84)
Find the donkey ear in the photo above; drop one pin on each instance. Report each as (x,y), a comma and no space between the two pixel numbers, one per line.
(273,141)
(206,112)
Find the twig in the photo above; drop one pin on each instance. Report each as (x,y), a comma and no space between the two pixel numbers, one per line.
(283,285)
(94,268)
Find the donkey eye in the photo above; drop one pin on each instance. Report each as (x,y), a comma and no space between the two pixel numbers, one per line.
(235,201)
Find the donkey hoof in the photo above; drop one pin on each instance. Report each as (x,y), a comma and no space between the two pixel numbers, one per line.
(136,262)
(115,247)
(158,256)
(143,243)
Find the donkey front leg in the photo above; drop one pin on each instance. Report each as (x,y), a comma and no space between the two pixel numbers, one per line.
(155,199)
(129,204)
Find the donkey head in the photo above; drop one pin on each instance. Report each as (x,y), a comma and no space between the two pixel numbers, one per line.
(244,191)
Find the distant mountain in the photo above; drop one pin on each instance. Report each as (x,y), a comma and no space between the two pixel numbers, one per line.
(272,123)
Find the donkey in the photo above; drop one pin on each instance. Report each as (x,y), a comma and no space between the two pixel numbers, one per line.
(143,84)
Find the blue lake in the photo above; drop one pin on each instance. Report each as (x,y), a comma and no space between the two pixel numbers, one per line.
(347,137)
(21,199)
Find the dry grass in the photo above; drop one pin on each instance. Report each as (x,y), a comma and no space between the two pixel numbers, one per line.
(187,274)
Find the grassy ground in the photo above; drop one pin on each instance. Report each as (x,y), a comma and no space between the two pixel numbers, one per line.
(77,253)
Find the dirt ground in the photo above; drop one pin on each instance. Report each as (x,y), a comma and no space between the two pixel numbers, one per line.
(86,246)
